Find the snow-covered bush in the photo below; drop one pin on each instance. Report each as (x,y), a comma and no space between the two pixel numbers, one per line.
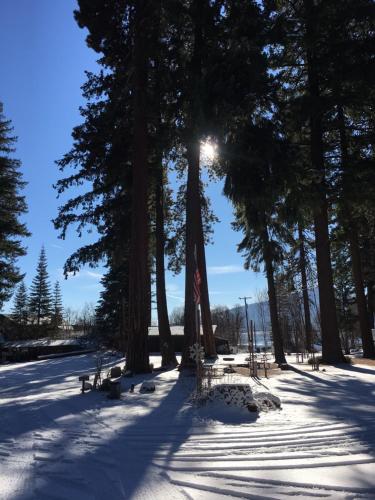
(239,395)
(267,401)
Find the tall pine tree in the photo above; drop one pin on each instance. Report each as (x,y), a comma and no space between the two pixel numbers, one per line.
(20,305)
(40,300)
(56,306)
(12,206)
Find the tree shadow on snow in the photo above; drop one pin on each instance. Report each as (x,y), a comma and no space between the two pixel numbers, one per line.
(58,423)
(342,398)
(116,446)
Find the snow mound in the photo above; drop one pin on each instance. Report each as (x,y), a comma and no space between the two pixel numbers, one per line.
(238,395)
(241,395)
(147,386)
(266,401)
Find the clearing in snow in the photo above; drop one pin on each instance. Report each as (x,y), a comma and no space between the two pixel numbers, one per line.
(56,443)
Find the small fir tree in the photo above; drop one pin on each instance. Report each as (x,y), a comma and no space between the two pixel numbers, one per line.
(20,306)
(57,307)
(40,301)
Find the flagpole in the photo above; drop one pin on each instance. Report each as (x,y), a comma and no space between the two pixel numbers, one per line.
(197,326)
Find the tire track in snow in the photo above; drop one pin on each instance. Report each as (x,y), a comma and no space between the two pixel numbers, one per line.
(207,465)
(292,486)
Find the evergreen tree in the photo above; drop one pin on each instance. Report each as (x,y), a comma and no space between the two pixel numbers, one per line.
(126,38)
(299,60)
(56,306)
(166,345)
(255,186)
(111,311)
(12,206)
(347,309)
(351,80)
(302,261)
(20,305)
(40,300)
(323,57)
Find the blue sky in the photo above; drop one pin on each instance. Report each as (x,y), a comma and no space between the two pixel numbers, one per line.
(43,57)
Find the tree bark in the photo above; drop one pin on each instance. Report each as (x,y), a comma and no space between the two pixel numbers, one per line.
(193,210)
(305,291)
(168,357)
(370,303)
(331,346)
(275,324)
(352,236)
(192,227)
(208,334)
(137,359)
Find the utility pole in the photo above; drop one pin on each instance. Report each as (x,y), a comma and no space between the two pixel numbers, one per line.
(247,320)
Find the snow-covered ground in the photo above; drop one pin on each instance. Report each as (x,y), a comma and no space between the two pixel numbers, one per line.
(40,342)
(58,444)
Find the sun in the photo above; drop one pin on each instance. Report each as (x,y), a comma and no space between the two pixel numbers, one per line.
(208,151)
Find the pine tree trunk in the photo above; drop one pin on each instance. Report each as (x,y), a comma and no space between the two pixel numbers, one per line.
(39,309)
(137,359)
(208,334)
(168,357)
(191,335)
(331,346)
(123,330)
(120,262)
(370,303)
(275,324)
(192,228)
(305,291)
(352,236)
(367,342)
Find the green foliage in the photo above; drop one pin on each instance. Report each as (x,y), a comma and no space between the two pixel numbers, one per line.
(56,306)
(256,76)
(20,309)
(112,305)
(12,207)
(256,161)
(40,300)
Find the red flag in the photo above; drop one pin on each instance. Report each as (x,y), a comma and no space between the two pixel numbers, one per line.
(197,286)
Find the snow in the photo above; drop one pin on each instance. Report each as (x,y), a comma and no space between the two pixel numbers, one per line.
(56,443)
(40,343)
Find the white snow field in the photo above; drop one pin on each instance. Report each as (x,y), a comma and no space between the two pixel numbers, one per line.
(56,443)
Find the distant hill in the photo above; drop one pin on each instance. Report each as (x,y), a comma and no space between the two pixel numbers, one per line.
(257,310)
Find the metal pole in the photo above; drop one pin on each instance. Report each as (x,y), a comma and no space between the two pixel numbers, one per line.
(252,348)
(198,363)
(198,336)
(255,337)
(247,325)
(247,320)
